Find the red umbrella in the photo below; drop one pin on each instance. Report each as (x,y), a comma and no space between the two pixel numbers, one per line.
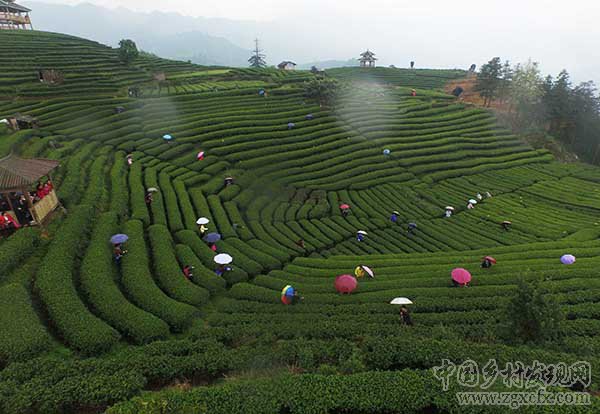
(344,207)
(490,259)
(345,283)
(461,276)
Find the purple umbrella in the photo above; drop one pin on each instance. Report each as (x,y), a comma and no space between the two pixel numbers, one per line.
(119,238)
(212,237)
(567,259)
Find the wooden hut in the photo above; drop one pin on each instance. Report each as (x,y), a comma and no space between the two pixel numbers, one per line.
(367,59)
(20,176)
(13,16)
(18,122)
(287,65)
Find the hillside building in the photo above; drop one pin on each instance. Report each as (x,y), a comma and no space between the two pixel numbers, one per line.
(287,65)
(367,59)
(13,16)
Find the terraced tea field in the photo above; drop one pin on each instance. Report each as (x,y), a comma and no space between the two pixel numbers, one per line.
(81,333)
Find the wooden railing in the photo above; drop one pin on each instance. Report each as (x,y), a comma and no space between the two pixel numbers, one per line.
(15,18)
(44,207)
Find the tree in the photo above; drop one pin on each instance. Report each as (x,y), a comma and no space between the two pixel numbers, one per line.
(128,51)
(506,76)
(489,80)
(324,90)
(526,91)
(257,60)
(531,316)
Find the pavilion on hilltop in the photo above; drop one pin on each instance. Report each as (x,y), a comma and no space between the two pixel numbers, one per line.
(367,59)
(13,16)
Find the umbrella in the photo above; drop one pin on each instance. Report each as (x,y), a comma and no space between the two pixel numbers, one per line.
(412,225)
(401,301)
(228,178)
(386,152)
(202,220)
(362,232)
(369,271)
(223,259)
(200,156)
(450,208)
(344,207)
(261,92)
(345,283)
(567,259)
(167,137)
(291,125)
(212,237)
(396,212)
(119,238)
(473,201)
(461,276)
(310,116)
(507,222)
(288,291)
(490,259)
(153,190)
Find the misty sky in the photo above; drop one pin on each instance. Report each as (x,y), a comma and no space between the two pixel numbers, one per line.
(434,33)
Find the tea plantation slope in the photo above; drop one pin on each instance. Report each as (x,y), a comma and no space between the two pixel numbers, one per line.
(80,331)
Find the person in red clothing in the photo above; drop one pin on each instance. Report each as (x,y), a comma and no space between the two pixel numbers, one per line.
(39,192)
(9,221)
(413,92)
(187,271)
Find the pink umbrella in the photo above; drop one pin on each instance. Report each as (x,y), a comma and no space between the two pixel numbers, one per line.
(345,283)
(200,156)
(461,276)
(344,207)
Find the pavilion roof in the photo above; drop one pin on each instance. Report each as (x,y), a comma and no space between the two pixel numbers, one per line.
(14,6)
(17,173)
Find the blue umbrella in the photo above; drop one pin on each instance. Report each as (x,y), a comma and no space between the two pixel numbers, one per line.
(261,92)
(310,116)
(291,125)
(212,237)
(167,137)
(386,152)
(119,238)
(412,225)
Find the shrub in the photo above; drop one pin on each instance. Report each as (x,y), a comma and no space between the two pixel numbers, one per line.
(54,286)
(141,288)
(168,271)
(18,246)
(98,284)
(137,193)
(22,336)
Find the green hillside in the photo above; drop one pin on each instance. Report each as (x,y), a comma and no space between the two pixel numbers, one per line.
(81,334)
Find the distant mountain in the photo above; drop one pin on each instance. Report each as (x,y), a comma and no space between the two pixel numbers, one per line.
(329,64)
(167,35)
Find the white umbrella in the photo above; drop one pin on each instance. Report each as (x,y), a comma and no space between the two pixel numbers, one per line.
(396,212)
(473,201)
(362,232)
(153,190)
(4,121)
(223,259)
(450,208)
(369,271)
(202,220)
(401,301)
